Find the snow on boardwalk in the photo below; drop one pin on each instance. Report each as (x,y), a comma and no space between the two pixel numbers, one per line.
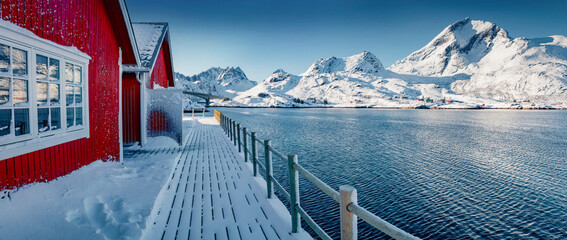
(212,195)
(103,200)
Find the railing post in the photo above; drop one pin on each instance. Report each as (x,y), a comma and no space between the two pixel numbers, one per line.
(349,228)
(234,132)
(269,171)
(230,128)
(238,135)
(254,155)
(245,143)
(293,192)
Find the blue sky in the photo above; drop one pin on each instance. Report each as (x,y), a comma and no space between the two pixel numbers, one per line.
(261,36)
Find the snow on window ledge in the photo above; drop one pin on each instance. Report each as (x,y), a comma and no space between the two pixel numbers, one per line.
(15,35)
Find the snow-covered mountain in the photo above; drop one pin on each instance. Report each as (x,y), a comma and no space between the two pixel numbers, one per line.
(225,82)
(358,80)
(457,49)
(470,63)
(270,92)
(364,62)
(492,64)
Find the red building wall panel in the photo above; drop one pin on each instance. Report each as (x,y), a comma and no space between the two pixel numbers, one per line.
(25,170)
(159,74)
(91,26)
(167,59)
(10,173)
(130,109)
(3,175)
(18,171)
(162,74)
(157,122)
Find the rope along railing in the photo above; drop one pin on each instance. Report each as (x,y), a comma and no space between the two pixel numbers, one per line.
(346,196)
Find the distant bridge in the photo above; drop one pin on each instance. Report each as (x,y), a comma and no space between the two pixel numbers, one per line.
(205,96)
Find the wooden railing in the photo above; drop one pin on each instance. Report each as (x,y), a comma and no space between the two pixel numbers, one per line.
(346,196)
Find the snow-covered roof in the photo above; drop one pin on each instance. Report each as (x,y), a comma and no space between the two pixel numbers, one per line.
(149,37)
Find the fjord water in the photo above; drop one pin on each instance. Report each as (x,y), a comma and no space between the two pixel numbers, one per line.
(437,174)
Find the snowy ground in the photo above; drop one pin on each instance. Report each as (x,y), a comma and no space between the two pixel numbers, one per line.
(112,200)
(109,200)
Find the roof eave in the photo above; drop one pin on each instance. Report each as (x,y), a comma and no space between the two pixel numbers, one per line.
(131,35)
(158,46)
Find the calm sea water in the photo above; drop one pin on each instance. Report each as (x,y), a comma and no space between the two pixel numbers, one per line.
(470,174)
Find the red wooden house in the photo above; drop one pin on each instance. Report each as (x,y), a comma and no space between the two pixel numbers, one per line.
(155,71)
(61,74)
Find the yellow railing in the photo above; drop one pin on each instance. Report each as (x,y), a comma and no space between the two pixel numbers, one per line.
(218,116)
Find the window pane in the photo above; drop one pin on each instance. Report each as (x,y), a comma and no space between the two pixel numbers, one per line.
(4,58)
(78,74)
(43,119)
(69,90)
(41,93)
(20,91)
(4,90)
(79,116)
(41,67)
(20,61)
(69,73)
(70,117)
(54,93)
(53,69)
(55,118)
(5,117)
(22,121)
(78,95)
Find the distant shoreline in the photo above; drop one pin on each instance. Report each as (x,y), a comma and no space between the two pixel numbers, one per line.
(417,108)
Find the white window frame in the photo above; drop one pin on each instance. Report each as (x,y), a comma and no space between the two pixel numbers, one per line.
(61,91)
(15,36)
(27,77)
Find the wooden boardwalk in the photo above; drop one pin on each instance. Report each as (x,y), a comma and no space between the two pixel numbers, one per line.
(212,194)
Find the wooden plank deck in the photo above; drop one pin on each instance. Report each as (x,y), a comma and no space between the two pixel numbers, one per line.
(212,194)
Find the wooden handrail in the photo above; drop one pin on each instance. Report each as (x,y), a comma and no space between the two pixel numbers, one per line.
(346,197)
(379,223)
(317,182)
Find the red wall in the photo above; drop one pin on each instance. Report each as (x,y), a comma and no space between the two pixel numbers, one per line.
(130,108)
(159,73)
(162,75)
(157,123)
(86,25)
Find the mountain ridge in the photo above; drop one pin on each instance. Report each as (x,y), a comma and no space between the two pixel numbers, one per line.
(470,62)
(499,67)
(225,82)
